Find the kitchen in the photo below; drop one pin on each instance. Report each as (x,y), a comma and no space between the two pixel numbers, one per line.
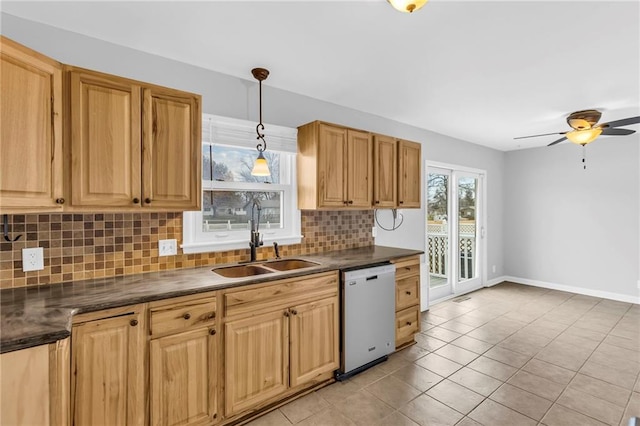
(139,232)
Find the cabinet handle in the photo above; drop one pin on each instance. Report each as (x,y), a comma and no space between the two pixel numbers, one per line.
(294,312)
(408,322)
(286,313)
(350,201)
(147,200)
(212,331)
(407,268)
(408,293)
(186,316)
(59,200)
(377,201)
(212,315)
(133,322)
(401,202)
(345,202)
(136,200)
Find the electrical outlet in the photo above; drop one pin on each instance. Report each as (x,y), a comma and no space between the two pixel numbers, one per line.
(32,259)
(167,247)
(494,269)
(374,232)
(639,284)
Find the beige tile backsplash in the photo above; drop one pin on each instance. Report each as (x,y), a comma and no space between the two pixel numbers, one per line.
(83,246)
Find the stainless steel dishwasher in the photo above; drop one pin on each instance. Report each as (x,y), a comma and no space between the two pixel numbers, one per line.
(368,318)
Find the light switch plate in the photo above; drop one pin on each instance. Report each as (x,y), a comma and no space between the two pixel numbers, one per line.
(32,259)
(167,247)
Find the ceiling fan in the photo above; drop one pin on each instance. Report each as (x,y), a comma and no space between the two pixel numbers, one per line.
(586,130)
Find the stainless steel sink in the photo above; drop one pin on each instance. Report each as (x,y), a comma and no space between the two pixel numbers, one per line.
(289,264)
(241,271)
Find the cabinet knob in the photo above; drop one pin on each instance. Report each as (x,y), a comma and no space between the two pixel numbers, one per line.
(186,316)
(294,312)
(408,322)
(401,202)
(377,201)
(59,200)
(136,201)
(212,315)
(147,200)
(408,293)
(350,201)
(212,332)
(286,313)
(133,322)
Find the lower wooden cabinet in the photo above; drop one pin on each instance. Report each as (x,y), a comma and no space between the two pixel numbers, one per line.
(184,361)
(284,337)
(407,300)
(35,385)
(108,368)
(183,378)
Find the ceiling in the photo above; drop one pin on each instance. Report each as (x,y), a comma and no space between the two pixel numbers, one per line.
(480,71)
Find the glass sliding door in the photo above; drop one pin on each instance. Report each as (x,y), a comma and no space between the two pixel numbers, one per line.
(438,205)
(454,218)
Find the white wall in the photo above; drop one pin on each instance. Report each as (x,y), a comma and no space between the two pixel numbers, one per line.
(571,228)
(232,97)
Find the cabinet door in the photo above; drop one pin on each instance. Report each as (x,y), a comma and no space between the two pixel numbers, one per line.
(314,340)
(256,360)
(385,171)
(331,166)
(409,174)
(107,384)
(359,169)
(183,378)
(30,135)
(105,141)
(171,160)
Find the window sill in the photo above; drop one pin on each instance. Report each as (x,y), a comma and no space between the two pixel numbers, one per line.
(208,247)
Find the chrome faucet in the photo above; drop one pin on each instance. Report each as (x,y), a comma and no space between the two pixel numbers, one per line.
(255,240)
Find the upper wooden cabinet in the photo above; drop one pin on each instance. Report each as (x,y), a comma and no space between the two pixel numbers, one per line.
(385,172)
(335,167)
(132,145)
(342,168)
(31,132)
(409,188)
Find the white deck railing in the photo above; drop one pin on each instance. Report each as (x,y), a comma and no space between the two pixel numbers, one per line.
(438,247)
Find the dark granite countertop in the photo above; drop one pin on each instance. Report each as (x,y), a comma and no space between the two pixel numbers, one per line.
(31,316)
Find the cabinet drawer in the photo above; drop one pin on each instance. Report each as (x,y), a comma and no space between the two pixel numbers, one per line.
(182,315)
(407,324)
(259,299)
(407,292)
(407,267)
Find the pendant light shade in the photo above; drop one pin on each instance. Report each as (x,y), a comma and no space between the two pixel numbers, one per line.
(583,137)
(260,167)
(407,6)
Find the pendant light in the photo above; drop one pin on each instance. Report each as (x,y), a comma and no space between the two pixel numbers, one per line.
(407,6)
(260,167)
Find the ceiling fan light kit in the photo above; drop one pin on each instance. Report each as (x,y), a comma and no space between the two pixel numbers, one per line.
(583,137)
(407,6)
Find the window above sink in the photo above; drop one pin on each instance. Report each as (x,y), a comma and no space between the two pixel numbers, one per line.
(228,151)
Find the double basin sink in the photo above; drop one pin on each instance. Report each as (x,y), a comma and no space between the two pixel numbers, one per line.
(253,269)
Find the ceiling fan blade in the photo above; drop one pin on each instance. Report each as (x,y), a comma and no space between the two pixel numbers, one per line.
(544,134)
(558,141)
(623,122)
(617,132)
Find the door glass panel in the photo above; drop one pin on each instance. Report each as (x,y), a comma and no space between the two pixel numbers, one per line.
(438,229)
(467,191)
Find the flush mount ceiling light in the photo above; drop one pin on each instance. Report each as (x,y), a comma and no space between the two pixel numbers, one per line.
(260,167)
(407,6)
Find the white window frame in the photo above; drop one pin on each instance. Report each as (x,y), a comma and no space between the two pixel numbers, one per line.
(241,133)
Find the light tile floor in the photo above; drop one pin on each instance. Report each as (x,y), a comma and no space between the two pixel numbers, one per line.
(510,355)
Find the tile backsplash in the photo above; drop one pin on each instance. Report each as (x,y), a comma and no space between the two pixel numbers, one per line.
(82,246)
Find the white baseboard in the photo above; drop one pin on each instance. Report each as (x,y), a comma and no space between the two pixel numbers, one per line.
(495,281)
(571,289)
